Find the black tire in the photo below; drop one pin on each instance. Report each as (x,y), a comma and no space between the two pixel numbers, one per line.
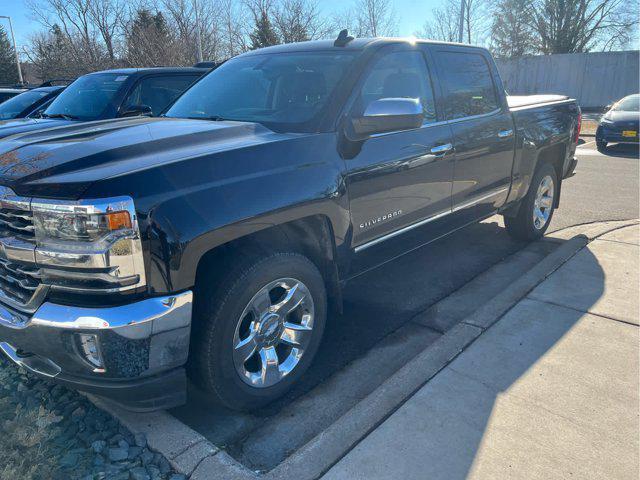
(218,312)
(601,145)
(521,226)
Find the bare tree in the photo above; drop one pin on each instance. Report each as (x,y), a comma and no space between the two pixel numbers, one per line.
(445,22)
(233,28)
(372,18)
(52,55)
(108,16)
(300,20)
(568,26)
(443,25)
(73,20)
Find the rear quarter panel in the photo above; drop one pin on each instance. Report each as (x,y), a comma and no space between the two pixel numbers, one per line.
(538,128)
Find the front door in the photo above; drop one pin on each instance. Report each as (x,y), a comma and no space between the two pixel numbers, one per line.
(482,129)
(400,179)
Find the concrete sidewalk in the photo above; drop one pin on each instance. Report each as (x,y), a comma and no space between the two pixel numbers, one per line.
(550,391)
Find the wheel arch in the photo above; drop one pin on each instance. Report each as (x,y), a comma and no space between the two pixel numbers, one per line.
(311,236)
(554,154)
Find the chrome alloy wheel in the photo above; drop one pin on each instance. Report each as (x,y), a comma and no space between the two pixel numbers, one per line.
(273,332)
(543,203)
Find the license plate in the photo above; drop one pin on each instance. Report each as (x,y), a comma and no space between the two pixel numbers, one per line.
(629,133)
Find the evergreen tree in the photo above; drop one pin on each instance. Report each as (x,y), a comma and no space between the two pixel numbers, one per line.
(149,41)
(8,70)
(263,34)
(511,33)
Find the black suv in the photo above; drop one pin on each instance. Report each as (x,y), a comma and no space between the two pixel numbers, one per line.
(110,94)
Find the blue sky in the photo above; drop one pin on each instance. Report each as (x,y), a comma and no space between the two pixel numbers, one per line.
(411,15)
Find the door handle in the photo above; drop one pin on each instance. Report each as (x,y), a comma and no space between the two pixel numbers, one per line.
(442,149)
(505,133)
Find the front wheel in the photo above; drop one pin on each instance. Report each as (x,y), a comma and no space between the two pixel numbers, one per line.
(601,145)
(258,331)
(536,208)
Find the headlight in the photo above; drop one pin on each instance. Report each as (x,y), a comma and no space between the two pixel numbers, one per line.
(88,244)
(80,228)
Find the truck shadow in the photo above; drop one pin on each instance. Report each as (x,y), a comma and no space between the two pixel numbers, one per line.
(465,401)
(378,304)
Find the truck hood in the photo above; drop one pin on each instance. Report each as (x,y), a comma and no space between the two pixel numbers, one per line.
(68,159)
(23,125)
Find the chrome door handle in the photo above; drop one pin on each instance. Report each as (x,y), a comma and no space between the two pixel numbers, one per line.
(505,133)
(442,149)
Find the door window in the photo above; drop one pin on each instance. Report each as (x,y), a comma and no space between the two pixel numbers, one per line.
(158,92)
(467,79)
(399,75)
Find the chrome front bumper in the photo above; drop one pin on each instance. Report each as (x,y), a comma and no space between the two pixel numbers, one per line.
(141,344)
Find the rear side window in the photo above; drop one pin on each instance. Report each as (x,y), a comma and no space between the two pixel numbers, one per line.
(399,75)
(468,83)
(158,92)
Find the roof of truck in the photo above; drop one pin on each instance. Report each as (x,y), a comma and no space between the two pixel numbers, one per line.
(355,44)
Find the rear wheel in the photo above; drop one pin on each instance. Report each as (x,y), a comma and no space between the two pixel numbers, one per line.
(536,208)
(255,336)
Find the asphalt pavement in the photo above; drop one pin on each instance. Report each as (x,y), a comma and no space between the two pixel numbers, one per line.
(605,186)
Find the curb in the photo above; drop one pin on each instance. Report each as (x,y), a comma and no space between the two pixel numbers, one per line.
(192,455)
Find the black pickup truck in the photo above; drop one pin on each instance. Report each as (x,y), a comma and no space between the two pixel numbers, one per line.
(215,239)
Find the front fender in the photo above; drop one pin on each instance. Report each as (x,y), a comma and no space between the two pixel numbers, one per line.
(306,180)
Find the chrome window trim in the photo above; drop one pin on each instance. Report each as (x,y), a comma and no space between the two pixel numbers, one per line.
(423,126)
(432,218)
(474,117)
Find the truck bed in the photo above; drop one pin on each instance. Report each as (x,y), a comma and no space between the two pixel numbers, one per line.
(523,101)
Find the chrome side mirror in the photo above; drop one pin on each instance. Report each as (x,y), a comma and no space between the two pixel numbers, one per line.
(387,115)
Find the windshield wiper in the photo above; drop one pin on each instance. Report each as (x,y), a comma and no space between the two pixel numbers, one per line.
(60,115)
(214,118)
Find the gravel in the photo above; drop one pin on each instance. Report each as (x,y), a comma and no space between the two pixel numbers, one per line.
(52,433)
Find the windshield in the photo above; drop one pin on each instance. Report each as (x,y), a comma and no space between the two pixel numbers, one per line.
(628,104)
(18,104)
(88,98)
(287,92)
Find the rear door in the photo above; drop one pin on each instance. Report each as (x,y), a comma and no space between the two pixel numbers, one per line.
(482,128)
(394,181)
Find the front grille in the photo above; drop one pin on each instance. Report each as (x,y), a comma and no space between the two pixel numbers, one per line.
(17,223)
(18,282)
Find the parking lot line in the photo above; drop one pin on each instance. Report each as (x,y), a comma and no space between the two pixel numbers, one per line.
(587,143)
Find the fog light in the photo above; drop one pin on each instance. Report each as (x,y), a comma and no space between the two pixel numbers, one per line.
(90,348)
